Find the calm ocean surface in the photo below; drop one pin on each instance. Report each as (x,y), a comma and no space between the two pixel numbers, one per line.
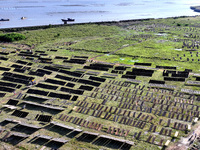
(45,12)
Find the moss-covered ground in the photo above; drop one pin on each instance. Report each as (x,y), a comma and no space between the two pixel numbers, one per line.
(173,42)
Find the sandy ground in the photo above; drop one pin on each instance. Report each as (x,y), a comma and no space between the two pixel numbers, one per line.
(184,143)
(15,45)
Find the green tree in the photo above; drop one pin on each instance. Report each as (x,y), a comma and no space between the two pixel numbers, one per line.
(11,37)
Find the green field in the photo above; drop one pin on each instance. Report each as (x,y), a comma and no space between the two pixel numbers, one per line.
(171,42)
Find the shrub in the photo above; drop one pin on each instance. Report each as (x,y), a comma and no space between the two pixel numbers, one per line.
(11,37)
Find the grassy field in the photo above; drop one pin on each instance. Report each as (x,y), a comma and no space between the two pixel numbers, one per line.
(161,42)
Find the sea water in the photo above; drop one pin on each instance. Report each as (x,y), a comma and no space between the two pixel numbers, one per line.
(45,12)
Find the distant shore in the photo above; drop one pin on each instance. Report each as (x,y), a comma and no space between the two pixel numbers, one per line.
(15,29)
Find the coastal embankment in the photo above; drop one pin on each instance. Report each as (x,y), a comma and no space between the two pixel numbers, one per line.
(16,29)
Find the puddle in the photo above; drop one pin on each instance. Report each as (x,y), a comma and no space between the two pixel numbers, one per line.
(178,49)
(133,60)
(161,34)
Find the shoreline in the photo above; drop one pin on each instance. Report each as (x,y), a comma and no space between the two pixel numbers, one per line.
(15,29)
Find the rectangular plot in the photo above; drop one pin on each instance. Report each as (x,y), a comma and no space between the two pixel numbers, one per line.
(8,84)
(20,113)
(36,98)
(174,79)
(157,82)
(80,92)
(2,94)
(4,69)
(33,91)
(19,70)
(76,74)
(42,52)
(55,81)
(64,77)
(6,89)
(40,74)
(44,71)
(15,80)
(22,62)
(97,79)
(4,53)
(129,76)
(46,86)
(3,58)
(60,57)
(121,67)
(166,67)
(43,118)
(12,102)
(43,106)
(19,76)
(87,136)
(77,61)
(142,64)
(96,68)
(93,73)
(84,87)
(57,95)
(89,82)
(149,138)
(17,66)
(51,68)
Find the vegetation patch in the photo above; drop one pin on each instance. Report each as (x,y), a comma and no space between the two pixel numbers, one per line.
(12,37)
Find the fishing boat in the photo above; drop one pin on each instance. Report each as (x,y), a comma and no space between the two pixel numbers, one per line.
(68,19)
(4,19)
(22,18)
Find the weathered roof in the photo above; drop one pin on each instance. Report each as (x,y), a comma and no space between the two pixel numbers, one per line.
(46,106)
(78,130)
(29,125)
(20,135)
(12,120)
(10,106)
(44,137)
(111,138)
(129,142)
(62,125)
(59,140)
(39,97)
(91,133)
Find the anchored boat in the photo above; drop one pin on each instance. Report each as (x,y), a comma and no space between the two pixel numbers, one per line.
(67,20)
(4,19)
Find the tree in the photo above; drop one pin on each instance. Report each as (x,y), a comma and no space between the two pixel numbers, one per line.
(11,37)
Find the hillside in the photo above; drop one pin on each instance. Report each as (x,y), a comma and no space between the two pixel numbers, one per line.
(112,85)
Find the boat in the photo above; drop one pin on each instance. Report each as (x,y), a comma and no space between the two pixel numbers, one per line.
(68,19)
(4,19)
(22,18)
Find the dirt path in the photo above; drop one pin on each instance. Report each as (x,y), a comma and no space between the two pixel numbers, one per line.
(185,143)
(110,53)
(16,45)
